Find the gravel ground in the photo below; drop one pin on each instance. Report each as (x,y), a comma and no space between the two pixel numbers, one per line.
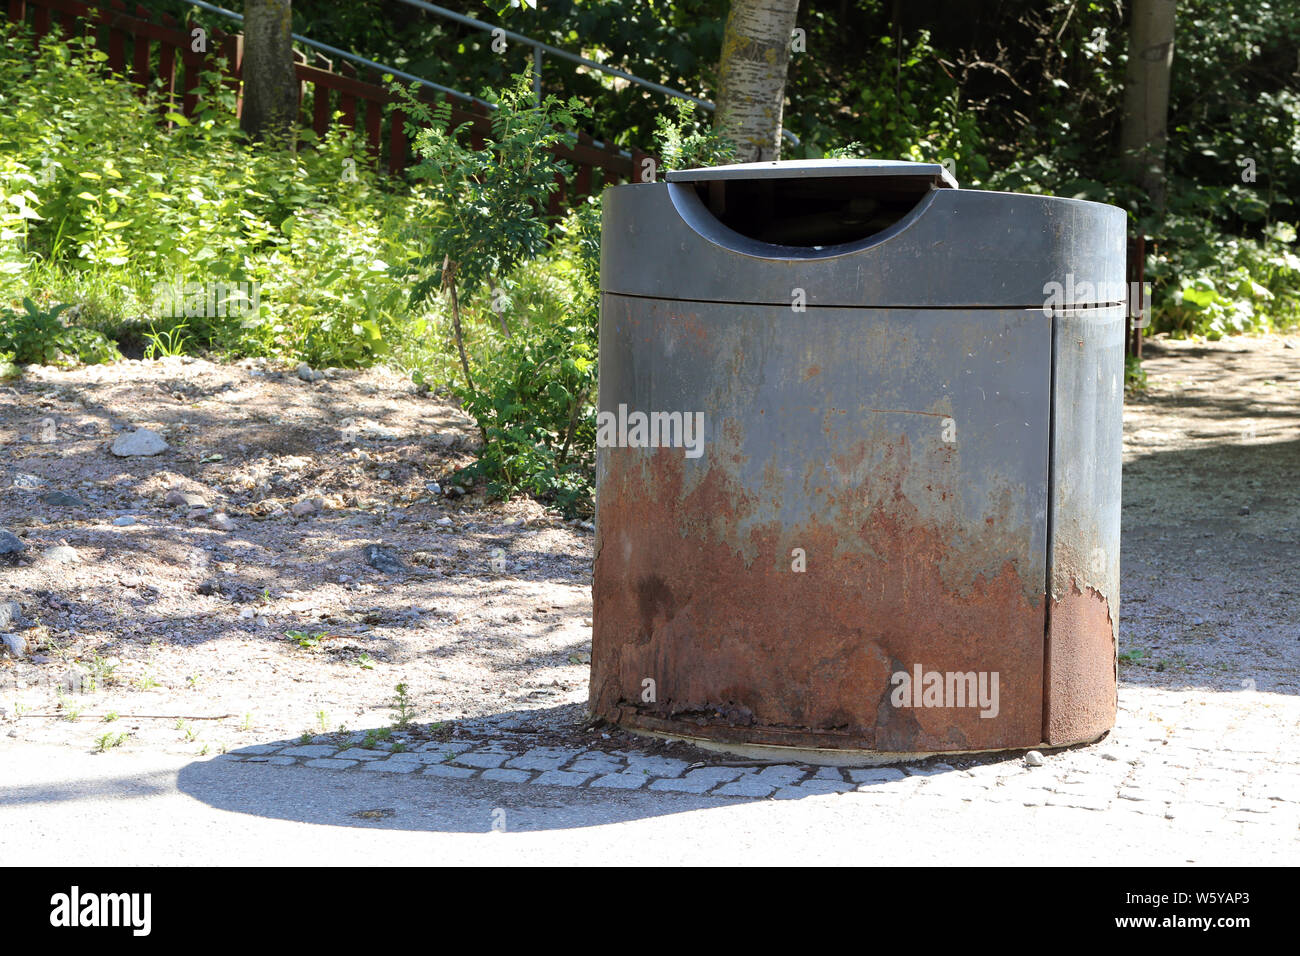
(258,609)
(1211,518)
(254,609)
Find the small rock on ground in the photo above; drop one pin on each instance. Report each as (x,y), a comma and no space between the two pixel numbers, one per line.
(139,444)
(222,522)
(186,499)
(383,559)
(10,544)
(11,616)
(61,554)
(62,499)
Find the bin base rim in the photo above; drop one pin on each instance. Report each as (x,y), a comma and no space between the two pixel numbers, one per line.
(836,756)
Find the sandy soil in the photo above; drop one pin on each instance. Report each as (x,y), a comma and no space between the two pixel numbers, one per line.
(170,615)
(203,633)
(1211,517)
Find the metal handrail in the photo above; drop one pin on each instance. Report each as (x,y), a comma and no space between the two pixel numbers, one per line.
(325,47)
(539,47)
(344,54)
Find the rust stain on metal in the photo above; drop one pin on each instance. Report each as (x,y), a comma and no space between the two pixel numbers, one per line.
(1081,680)
(694,589)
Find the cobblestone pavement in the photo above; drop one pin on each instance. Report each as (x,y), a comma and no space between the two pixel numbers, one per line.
(1218,762)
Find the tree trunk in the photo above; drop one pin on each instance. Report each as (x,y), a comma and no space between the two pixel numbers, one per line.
(449,283)
(1146,95)
(270,84)
(751,95)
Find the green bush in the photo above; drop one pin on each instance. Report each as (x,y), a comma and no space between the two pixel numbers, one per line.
(102,205)
(537,394)
(38,337)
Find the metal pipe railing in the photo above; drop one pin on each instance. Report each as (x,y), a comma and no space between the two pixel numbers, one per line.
(326,48)
(354,58)
(539,47)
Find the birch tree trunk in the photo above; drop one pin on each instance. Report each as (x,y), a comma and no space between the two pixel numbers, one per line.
(1146,95)
(755,55)
(270,84)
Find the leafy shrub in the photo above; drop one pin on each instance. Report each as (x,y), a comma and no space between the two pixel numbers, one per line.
(37,337)
(683,145)
(101,204)
(1206,283)
(490,212)
(536,406)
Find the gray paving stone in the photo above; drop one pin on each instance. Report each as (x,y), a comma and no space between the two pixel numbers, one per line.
(1078,801)
(446,770)
(1219,776)
(1255,805)
(825,786)
(325,763)
(1098,790)
(750,785)
(656,766)
(274,761)
(563,778)
(622,781)
(257,750)
(830,773)
(506,776)
(434,756)
(931,770)
(1147,795)
(1278,788)
(780,775)
(594,761)
(446,746)
(392,765)
(310,750)
(1212,798)
(360,753)
(1194,814)
(875,774)
(235,757)
(543,758)
(1151,808)
(791,793)
(484,758)
(701,780)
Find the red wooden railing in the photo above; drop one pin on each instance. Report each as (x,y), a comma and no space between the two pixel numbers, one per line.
(161,52)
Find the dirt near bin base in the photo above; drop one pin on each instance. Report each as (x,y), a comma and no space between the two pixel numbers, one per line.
(279,568)
(1208,593)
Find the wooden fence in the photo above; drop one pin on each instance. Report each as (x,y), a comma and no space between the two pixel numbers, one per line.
(151,48)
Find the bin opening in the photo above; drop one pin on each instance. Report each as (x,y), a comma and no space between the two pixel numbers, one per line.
(813,203)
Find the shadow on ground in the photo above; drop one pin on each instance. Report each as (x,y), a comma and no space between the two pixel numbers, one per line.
(370,798)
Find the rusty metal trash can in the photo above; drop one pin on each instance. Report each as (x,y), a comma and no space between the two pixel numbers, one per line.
(858,466)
